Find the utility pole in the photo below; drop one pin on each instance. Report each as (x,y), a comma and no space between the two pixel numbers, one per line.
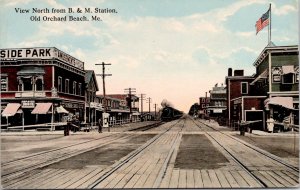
(142,98)
(103,75)
(149,101)
(130,91)
(155,110)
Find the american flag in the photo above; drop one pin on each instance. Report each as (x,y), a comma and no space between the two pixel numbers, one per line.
(262,21)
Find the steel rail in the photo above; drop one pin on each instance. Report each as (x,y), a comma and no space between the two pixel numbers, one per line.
(129,157)
(265,153)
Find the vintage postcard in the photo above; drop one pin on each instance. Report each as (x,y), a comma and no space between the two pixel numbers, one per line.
(99,94)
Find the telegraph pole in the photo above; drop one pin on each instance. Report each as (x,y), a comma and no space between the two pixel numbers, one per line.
(103,75)
(155,110)
(149,101)
(142,98)
(130,91)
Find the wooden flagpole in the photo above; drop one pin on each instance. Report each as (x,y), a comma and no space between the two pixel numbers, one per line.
(270,25)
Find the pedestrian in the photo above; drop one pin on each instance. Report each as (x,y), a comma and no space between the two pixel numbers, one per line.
(67,128)
(100,125)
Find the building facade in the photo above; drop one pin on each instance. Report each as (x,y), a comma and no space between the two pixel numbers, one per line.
(217,106)
(277,78)
(242,103)
(40,85)
(203,105)
(91,104)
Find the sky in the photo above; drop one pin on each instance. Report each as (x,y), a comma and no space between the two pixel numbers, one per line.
(167,49)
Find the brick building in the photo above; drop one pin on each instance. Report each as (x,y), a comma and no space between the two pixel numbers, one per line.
(40,85)
(242,104)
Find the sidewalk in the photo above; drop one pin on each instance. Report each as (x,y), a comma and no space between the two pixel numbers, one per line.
(255,132)
(118,128)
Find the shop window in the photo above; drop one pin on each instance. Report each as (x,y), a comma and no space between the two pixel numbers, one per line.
(4,83)
(244,87)
(75,87)
(59,84)
(39,84)
(67,86)
(288,78)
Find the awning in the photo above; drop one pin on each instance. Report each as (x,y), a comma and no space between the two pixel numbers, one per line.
(263,75)
(286,102)
(11,109)
(41,108)
(31,70)
(287,69)
(61,109)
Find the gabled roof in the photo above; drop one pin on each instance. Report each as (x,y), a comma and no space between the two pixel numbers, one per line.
(89,75)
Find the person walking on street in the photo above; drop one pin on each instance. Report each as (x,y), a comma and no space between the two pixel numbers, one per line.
(100,125)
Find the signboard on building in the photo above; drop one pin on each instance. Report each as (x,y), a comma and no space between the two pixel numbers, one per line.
(40,53)
(28,103)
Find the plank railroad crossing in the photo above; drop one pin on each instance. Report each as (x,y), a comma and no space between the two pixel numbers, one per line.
(184,153)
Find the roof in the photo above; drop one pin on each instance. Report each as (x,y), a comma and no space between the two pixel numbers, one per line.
(89,74)
(121,96)
(273,48)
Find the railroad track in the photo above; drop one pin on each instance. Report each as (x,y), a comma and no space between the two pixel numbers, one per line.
(134,155)
(254,173)
(145,128)
(16,170)
(16,166)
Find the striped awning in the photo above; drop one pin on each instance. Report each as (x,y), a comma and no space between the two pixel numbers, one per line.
(11,109)
(41,108)
(286,102)
(61,109)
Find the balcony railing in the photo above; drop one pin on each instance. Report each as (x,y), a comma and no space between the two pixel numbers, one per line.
(30,94)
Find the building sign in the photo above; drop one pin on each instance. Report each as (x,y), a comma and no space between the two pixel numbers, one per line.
(217,110)
(40,53)
(276,74)
(28,103)
(72,105)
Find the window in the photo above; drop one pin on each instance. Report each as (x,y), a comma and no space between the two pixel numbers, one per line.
(27,84)
(4,83)
(288,78)
(297,74)
(67,86)
(75,87)
(39,84)
(59,84)
(79,89)
(244,87)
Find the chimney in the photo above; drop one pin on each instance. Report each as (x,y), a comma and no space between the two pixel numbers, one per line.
(238,72)
(229,72)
